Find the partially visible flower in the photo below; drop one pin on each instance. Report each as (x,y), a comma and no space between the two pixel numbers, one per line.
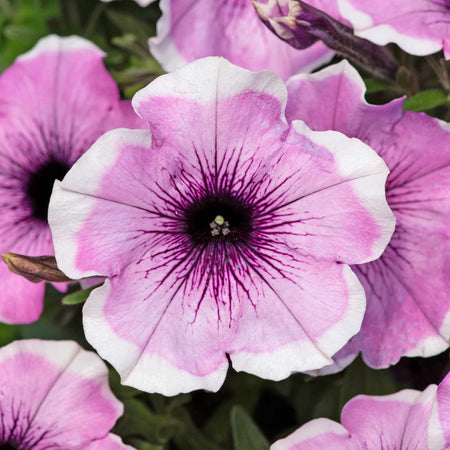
(56,395)
(407,289)
(224,230)
(55,101)
(189,30)
(398,421)
(419,27)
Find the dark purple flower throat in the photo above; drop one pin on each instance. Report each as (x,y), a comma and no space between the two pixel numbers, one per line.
(218,218)
(40,184)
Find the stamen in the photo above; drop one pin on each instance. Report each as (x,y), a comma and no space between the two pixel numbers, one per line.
(219,226)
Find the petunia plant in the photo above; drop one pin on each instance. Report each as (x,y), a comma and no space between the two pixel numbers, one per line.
(269,219)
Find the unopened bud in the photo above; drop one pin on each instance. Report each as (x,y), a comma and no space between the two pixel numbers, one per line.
(301,25)
(35,268)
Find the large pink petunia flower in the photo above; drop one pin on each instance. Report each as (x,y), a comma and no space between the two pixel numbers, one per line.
(399,421)
(407,289)
(55,101)
(419,27)
(191,29)
(56,395)
(224,230)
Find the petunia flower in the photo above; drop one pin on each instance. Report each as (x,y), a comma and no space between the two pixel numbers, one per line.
(55,395)
(407,289)
(419,27)
(55,101)
(223,230)
(403,421)
(189,30)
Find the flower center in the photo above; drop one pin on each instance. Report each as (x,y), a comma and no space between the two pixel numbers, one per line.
(40,184)
(8,447)
(218,219)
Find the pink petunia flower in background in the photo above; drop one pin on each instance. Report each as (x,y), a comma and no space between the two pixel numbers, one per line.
(407,289)
(403,421)
(54,394)
(419,27)
(223,230)
(194,29)
(55,101)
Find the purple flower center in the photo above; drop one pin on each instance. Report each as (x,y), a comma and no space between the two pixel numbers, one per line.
(8,447)
(218,218)
(40,184)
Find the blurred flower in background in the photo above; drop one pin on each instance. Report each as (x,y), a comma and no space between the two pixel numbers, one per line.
(55,101)
(189,30)
(403,420)
(408,309)
(54,394)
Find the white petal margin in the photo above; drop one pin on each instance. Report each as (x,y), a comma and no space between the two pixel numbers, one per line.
(358,162)
(384,34)
(310,430)
(71,358)
(161,46)
(436,434)
(307,355)
(68,196)
(146,372)
(209,79)
(54,43)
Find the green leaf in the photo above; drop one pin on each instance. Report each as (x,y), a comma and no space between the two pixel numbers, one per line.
(128,23)
(426,100)
(139,420)
(246,435)
(360,379)
(376,85)
(139,444)
(8,333)
(77,297)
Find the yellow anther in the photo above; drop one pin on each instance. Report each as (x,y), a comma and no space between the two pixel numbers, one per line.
(219,220)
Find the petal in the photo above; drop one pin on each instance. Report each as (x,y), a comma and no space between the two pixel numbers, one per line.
(417,27)
(61,110)
(154,355)
(58,392)
(340,213)
(318,434)
(21,301)
(407,315)
(188,31)
(81,240)
(296,319)
(392,421)
(333,99)
(439,426)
